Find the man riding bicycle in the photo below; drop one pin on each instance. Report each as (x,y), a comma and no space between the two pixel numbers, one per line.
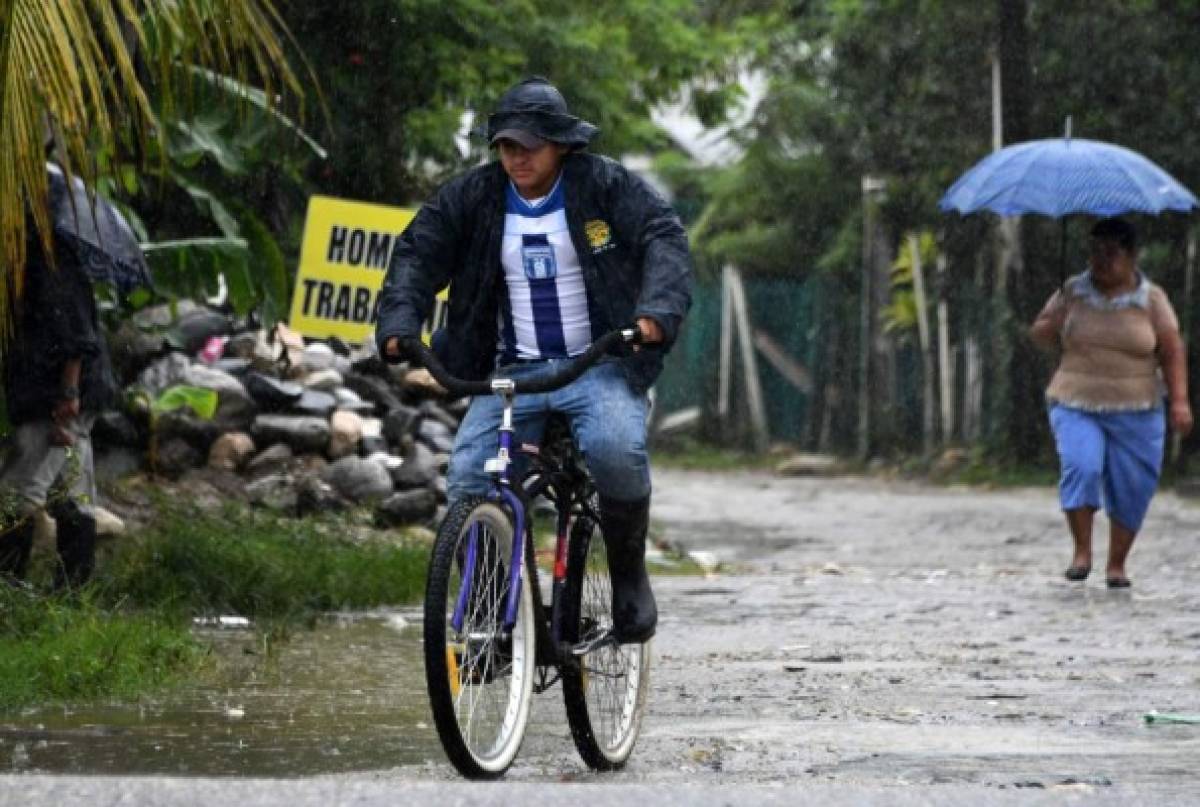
(544,250)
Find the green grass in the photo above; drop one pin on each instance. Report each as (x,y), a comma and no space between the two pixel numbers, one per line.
(129,632)
(973,466)
(695,456)
(260,566)
(56,649)
(1003,475)
(674,564)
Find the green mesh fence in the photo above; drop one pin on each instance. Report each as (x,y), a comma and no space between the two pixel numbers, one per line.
(783,309)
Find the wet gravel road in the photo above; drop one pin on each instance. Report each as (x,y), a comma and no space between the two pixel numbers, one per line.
(905,636)
(867,642)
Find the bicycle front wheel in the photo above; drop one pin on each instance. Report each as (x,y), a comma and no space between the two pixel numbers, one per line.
(479,676)
(605,692)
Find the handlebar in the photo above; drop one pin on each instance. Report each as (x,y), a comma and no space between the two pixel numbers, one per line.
(564,375)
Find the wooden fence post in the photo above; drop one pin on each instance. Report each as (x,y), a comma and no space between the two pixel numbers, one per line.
(735,324)
(945,365)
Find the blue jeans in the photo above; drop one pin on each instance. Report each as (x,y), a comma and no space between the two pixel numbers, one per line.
(608,422)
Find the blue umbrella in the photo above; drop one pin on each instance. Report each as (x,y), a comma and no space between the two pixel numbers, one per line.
(1061,176)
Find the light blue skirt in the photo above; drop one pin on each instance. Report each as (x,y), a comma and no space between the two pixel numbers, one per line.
(1115,454)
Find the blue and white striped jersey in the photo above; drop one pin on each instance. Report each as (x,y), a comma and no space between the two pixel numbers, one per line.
(545,315)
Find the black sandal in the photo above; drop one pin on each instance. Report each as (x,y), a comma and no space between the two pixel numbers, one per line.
(1117,582)
(1077,572)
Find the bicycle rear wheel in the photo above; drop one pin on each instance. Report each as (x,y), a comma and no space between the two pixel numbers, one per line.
(480,680)
(605,693)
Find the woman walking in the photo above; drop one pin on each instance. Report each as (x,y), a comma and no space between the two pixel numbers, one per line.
(1120,342)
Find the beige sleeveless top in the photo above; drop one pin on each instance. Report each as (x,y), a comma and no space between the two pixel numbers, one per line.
(1110,347)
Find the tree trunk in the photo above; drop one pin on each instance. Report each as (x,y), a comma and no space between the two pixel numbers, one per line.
(1025,426)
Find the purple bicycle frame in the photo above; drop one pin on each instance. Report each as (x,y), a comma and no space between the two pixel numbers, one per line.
(501,491)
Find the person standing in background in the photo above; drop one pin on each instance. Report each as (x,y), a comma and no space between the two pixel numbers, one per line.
(57,378)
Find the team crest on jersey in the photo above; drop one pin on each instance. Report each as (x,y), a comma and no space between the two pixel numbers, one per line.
(599,235)
(539,260)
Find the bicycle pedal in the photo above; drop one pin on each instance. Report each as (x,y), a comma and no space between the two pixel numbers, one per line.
(598,641)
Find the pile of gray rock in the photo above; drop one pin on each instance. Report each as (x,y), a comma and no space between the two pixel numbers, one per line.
(304,425)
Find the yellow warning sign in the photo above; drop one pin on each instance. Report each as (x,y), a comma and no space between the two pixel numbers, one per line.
(343,259)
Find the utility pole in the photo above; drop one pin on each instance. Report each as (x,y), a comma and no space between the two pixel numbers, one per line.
(1025,432)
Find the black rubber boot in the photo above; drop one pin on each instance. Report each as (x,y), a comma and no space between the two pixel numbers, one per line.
(624,525)
(76,549)
(15,545)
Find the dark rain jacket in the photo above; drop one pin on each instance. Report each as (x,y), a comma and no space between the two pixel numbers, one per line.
(56,320)
(632,249)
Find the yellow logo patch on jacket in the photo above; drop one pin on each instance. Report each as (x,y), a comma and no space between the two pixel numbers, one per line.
(599,234)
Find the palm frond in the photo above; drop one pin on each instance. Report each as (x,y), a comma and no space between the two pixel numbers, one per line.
(67,70)
(243,92)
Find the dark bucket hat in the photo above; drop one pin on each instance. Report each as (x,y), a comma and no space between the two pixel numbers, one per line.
(536,107)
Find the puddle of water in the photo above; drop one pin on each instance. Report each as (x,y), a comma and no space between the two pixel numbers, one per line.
(348,695)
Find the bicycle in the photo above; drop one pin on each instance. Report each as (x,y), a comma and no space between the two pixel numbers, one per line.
(490,642)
